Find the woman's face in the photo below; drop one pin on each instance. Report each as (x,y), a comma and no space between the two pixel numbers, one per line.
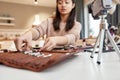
(65,6)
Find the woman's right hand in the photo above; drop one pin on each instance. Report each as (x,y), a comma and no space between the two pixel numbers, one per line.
(24,42)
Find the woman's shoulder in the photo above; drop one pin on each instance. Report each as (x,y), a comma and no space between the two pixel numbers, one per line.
(50,19)
(77,24)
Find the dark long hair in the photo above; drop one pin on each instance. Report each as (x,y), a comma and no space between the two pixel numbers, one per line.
(70,20)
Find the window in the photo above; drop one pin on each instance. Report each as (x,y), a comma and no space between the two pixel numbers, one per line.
(93,26)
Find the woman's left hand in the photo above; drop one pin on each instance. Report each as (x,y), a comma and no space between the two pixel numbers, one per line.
(49,44)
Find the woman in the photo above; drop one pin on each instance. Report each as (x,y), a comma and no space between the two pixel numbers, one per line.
(63,29)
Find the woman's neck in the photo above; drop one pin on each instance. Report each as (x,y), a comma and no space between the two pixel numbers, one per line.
(64,18)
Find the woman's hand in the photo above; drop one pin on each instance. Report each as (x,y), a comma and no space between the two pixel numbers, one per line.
(49,44)
(52,42)
(24,42)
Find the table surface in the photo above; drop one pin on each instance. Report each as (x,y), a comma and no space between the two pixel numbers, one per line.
(81,67)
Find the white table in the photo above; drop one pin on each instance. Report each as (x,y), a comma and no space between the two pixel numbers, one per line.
(81,67)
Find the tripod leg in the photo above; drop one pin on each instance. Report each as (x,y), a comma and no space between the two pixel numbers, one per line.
(101,45)
(113,43)
(96,43)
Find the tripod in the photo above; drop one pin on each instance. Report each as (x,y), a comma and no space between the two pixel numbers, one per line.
(103,31)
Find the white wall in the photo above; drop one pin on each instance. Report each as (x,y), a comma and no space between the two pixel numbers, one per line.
(24,16)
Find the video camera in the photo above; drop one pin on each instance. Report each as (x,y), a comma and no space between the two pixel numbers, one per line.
(99,7)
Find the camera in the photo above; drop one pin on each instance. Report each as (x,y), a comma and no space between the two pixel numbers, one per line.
(99,7)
